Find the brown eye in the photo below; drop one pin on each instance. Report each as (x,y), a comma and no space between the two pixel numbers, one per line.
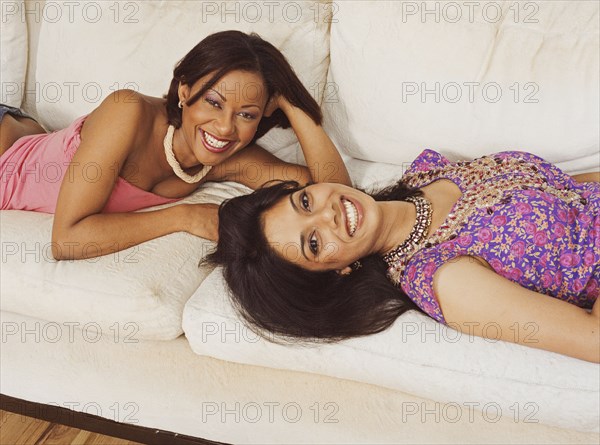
(212,102)
(304,201)
(313,244)
(248,116)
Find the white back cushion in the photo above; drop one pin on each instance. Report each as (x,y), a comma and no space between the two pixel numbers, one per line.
(13,53)
(401,77)
(108,46)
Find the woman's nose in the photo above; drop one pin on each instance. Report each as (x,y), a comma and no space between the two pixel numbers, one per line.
(328,216)
(224,125)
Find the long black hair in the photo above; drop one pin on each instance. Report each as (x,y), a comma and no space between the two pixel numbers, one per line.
(275,296)
(227,51)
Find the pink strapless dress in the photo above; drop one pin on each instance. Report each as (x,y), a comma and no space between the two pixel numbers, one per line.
(32,171)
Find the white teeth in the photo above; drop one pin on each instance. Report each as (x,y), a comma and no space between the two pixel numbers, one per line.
(214,142)
(351,215)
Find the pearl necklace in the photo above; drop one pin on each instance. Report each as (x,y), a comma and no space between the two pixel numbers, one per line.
(418,232)
(168,144)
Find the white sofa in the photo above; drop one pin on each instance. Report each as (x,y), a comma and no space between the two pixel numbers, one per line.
(393,78)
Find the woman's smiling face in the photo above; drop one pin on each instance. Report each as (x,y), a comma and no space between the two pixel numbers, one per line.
(323,226)
(225,118)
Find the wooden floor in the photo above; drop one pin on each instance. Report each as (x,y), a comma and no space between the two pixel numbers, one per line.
(17,429)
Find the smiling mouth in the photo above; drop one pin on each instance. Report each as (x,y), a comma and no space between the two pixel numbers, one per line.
(214,144)
(351,216)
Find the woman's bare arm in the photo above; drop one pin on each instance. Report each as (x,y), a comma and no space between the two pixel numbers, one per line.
(476,299)
(253,166)
(79,229)
(322,157)
(587,177)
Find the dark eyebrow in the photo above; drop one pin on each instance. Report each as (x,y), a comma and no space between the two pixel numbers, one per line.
(295,207)
(225,100)
(220,95)
(302,239)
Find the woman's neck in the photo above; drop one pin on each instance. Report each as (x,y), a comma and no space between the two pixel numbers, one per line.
(398,219)
(183,154)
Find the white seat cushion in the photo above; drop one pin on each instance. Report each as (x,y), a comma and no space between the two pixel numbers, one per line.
(415,355)
(138,293)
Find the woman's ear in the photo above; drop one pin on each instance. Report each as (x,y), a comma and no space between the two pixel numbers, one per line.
(345,271)
(183,91)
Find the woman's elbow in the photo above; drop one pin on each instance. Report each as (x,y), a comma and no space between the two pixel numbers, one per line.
(63,246)
(62,249)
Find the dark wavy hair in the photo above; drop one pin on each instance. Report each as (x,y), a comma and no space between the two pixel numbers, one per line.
(275,296)
(227,51)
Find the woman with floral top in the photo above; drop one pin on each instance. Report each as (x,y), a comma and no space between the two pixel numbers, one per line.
(507,240)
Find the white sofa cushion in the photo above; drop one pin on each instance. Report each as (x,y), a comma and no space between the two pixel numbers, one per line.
(138,293)
(137,44)
(415,355)
(13,53)
(385,54)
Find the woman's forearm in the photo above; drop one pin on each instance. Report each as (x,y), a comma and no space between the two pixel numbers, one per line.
(587,177)
(322,157)
(105,233)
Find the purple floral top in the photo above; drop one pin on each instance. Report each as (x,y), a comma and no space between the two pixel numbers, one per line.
(530,221)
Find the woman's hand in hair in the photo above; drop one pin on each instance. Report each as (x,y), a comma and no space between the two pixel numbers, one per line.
(275,102)
(202,220)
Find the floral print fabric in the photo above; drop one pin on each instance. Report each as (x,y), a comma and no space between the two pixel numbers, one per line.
(532,236)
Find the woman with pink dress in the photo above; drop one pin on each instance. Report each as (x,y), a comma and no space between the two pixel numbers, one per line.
(135,151)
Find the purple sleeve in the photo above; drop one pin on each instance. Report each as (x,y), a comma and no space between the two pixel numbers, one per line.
(427,160)
(554,175)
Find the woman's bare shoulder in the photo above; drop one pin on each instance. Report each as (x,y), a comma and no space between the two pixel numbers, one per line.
(127,111)
(131,104)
